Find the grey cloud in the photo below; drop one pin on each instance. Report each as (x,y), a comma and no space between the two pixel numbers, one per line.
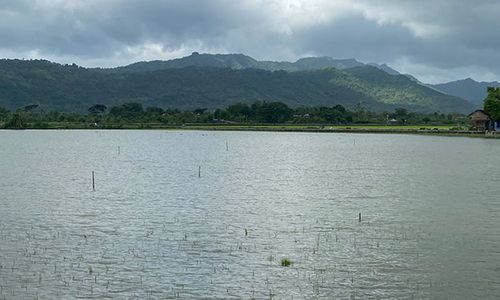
(454,38)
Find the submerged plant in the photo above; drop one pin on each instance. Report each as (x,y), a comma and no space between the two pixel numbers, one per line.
(285,262)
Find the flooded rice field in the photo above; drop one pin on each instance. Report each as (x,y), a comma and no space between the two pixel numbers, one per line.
(214,215)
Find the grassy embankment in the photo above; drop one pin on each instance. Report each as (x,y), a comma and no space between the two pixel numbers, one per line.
(445,130)
(410,129)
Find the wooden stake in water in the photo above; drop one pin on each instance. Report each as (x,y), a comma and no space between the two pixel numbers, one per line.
(227,146)
(199,171)
(93,181)
(118,150)
(359,217)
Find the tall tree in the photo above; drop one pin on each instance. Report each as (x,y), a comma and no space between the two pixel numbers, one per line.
(492,103)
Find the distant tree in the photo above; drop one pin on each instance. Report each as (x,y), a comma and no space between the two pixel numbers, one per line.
(16,121)
(97,109)
(221,114)
(401,113)
(130,111)
(336,114)
(239,110)
(340,108)
(272,112)
(153,114)
(492,103)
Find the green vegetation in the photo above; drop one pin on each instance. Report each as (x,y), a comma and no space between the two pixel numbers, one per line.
(315,128)
(239,116)
(285,262)
(241,61)
(69,88)
(16,121)
(492,103)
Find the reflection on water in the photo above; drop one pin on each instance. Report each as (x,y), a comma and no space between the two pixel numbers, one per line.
(154,230)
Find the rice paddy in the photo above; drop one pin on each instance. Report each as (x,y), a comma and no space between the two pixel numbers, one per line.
(270,217)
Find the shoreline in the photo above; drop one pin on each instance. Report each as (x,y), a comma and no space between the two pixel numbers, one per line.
(436,130)
(473,134)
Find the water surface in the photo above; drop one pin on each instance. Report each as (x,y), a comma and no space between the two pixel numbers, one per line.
(154,229)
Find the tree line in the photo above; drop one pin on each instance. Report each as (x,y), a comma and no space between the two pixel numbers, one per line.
(100,115)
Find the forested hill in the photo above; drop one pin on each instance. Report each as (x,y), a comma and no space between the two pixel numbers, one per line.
(468,89)
(72,88)
(241,61)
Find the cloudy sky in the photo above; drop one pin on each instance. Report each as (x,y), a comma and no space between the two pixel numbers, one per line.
(435,40)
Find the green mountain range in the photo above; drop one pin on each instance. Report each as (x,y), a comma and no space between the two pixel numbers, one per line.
(241,61)
(213,81)
(468,89)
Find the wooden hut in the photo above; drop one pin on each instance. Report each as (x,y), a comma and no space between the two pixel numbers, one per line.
(481,120)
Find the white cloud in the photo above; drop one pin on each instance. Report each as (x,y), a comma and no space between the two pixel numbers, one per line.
(431,74)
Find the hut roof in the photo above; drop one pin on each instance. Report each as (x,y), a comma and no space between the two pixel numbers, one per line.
(479,111)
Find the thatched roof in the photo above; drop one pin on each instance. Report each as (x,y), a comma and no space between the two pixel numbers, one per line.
(479,113)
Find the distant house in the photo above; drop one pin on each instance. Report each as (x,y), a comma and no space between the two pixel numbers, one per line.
(482,121)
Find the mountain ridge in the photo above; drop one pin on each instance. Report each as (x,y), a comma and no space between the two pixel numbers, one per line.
(242,61)
(74,88)
(468,89)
